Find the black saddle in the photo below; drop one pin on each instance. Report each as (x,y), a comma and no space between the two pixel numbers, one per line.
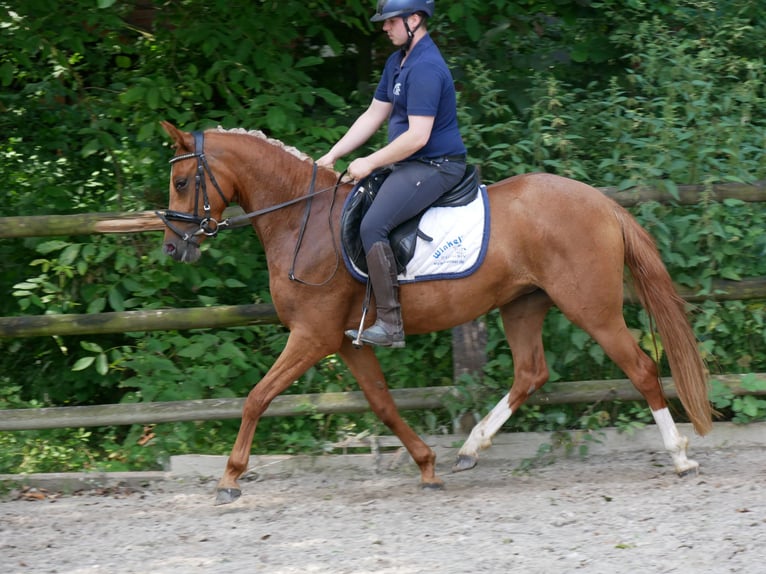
(403,237)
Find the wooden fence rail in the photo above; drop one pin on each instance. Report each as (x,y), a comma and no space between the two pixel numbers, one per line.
(224,316)
(323,403)
(220,316)
(133,222)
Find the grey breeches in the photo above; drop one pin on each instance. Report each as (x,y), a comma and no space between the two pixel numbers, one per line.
(410,189)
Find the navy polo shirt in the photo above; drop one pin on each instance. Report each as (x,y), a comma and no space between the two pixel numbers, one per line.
(423,86)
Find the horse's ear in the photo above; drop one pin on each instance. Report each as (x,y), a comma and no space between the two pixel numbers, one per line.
(184,140)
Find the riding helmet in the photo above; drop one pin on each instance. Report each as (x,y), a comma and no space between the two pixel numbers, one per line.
(390,8)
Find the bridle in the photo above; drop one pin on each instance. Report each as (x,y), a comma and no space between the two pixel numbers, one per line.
(209,226)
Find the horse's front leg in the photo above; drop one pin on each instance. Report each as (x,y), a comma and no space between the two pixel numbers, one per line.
(365,367)
(296,358)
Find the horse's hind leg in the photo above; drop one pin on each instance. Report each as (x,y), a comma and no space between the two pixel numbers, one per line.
(601,317)
(674,442)
(622,348)
(523,324)
(365,367)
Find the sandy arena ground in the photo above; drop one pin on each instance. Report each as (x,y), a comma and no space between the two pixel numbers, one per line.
(611,512)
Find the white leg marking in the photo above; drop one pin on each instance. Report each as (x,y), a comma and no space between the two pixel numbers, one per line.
(675,444)
(482,433)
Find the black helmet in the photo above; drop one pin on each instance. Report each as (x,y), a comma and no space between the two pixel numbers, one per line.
(390,8)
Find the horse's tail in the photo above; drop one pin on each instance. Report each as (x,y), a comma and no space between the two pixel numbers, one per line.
(658,296)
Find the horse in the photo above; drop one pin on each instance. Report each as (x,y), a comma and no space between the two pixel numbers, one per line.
(553,241)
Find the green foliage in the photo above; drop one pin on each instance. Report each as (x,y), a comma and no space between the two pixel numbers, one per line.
(42,451)
(741,409)
(618,93)
(638,129)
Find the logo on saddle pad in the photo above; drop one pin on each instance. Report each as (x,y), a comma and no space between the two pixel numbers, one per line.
(451,249)
(447,241)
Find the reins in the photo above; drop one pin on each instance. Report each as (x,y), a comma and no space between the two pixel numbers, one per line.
(210,227)
(307,213)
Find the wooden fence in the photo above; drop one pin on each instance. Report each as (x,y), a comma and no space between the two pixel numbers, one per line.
(327,403)
(242,315)
(88,223)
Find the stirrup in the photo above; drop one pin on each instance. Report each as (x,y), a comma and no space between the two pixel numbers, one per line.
(354,334)
(377,336)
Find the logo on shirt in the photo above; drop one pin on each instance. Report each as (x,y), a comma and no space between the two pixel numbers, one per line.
(397,88)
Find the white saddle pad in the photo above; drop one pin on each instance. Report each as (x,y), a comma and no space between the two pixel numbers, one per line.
(459,237)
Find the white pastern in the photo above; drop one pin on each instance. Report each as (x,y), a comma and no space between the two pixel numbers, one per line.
(675,444)
(482,433)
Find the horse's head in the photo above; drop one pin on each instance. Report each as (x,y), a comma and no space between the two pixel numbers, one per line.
(197,197)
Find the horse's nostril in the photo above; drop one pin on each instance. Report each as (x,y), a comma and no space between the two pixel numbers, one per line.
(169,248)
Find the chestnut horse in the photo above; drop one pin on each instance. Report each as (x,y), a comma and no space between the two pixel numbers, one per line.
(553,241)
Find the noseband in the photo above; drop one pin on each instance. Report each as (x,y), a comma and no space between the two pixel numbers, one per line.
(208,226)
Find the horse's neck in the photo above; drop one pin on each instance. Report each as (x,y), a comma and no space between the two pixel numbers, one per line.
(268,176)
(271,176)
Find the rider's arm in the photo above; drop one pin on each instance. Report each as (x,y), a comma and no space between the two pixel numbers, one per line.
(416,136)
(361,130)
(409,142)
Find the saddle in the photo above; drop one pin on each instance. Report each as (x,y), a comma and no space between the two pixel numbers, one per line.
(403,237)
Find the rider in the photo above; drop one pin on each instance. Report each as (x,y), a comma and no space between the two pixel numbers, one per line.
(416,94)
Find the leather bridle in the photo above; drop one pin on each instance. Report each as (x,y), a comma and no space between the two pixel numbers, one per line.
(207,225)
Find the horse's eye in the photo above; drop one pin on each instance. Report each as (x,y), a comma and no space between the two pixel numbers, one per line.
(181,183)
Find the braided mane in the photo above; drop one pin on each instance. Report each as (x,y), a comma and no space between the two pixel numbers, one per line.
(260,135)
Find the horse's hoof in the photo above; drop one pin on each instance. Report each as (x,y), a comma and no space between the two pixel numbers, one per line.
(227,495)
(464,462)
(439,485)
(692,471)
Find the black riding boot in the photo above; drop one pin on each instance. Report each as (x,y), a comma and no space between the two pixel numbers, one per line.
(387,330)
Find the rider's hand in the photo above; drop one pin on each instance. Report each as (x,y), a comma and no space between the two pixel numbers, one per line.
(326,161)
(360,168)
